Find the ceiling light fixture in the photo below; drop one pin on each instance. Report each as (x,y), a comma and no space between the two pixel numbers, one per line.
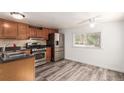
(17,15)
(92,22)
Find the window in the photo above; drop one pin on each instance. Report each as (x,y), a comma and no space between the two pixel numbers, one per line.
(87,39)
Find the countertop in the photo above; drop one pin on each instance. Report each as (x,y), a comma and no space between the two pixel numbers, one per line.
(14,59)
(17,58)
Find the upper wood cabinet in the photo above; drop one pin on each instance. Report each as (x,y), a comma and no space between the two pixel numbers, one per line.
(45,33)
(39,33)
(33,32)
(9,29)
(53,31)
(16,30)
(22,31)
(1,28)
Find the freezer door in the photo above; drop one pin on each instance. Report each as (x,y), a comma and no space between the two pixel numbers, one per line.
(58,49)
(59,55)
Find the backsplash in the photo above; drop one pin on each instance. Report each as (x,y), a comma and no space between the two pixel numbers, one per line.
(10,42)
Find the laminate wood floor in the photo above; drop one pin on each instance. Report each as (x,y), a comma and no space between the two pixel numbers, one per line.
(66,70)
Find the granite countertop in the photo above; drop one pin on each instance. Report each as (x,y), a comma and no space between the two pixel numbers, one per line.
(17,58)
(13,49)
(14,59)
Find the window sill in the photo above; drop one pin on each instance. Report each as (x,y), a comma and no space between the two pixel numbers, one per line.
(82,46)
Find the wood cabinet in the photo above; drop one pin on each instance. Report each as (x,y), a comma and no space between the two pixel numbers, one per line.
(1,28)
(53,31)
(22,31)
(9,29)
(33,32)
(48,54)
(28,32)
(39,33)
(46,33)
(42,33)
(18,70)
(17,30)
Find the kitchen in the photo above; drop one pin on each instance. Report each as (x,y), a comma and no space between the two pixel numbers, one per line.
(52,46)
(65,46)
(24,47)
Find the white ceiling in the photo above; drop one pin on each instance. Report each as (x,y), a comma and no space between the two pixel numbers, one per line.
(64,19)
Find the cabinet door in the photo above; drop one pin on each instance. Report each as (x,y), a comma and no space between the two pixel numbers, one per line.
(39,33)
(33,32)
(1,28)
(28,32)
(48,54)
(53,31)
(10,29)
(22,31)
(42,33)
(45,33)
(50,31)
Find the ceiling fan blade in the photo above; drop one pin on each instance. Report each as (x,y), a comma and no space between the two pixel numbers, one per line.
(84,21)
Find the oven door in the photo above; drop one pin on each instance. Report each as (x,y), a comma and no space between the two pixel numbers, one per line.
(40,56)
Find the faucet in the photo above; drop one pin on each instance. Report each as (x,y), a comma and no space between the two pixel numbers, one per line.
(4,55)
(5,45)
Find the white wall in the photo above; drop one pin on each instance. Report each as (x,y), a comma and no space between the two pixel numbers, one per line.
(110,56)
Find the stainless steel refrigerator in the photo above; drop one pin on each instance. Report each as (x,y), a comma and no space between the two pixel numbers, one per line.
(56,41)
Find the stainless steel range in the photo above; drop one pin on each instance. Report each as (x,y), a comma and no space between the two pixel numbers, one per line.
(40,56)
(39,51)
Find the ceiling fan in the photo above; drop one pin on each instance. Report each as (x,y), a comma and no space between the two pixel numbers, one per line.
(90,20)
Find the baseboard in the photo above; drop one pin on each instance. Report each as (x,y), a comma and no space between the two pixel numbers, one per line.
(94,65)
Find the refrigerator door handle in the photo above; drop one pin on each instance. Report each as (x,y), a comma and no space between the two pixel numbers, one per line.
(57,43)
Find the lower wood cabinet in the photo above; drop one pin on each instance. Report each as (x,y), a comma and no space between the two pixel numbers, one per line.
(18,70)
(48,54)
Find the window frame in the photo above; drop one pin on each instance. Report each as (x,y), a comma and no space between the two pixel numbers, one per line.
(86,46)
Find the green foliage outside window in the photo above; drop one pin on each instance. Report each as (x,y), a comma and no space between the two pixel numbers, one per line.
(89,39)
